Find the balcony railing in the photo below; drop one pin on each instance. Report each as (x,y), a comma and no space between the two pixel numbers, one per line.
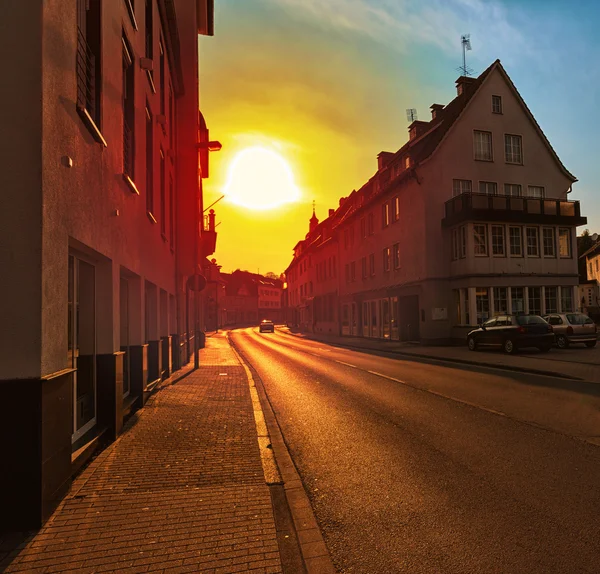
(508,208)
(86,76)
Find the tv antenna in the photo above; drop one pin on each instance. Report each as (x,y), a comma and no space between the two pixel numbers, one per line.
(465,41)
(411,114)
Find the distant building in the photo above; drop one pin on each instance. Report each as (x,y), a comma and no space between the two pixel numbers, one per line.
(589,286)
(102,208)
(468,220)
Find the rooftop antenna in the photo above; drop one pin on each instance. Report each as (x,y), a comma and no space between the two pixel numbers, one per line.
(411,114)
(465,40)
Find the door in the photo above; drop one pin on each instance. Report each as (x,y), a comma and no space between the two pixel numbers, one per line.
(124,319)
(409,319)
(82,343)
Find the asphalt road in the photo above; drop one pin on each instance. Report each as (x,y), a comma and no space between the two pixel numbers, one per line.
(429,468)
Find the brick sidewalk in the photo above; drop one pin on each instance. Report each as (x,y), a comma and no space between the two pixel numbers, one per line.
(575,362)
(182,490)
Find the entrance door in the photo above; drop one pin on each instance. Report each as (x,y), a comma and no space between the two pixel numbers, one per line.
(409,319)
(124,319)
(82,343)
(354,320)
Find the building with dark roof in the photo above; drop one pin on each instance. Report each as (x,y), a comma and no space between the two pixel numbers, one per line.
(469,219)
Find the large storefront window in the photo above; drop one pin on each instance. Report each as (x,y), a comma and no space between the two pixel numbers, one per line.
(566,299)
(517,298)
(365,319)
(551,299)
(482,301)
(500,300)
(535,300)
(374,319)
(385,318)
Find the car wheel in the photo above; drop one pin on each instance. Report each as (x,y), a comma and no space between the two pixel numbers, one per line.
(509,346)
(472,344)
(590,344)
(562,342)
(545,348)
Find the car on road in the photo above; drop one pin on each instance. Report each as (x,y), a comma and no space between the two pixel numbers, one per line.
(512,332)
(573,328)
(266,325)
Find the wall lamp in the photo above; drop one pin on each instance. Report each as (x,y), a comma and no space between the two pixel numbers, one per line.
(211,145)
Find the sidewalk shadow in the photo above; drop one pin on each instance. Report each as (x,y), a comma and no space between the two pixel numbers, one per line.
(11,545)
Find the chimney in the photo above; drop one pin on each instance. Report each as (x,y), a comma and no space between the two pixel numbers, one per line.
(331,212)
(462,83)
(435,110)
(417,128)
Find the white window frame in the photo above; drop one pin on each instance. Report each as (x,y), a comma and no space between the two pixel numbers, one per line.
(396,255)
(503,245)
(569,247)
(513,149)
(510,243)
(496,104)
(485,241)
(481,145)
(387,258)
(486,187)
(509,188)
(537,191)
(460,186)
(537,237)
(553,231)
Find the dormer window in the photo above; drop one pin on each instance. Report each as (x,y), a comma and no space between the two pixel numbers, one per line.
(497,104)
(407,162)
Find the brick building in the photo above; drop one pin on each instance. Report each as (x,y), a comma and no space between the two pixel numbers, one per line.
(468,219)
(100,227)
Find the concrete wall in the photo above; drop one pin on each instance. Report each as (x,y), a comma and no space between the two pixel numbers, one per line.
(21,188)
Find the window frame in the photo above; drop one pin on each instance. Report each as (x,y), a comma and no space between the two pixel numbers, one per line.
(485,240)
(396,255)
(396,211)
(506,150)
(541,187)
(497,100)
(502,228)
(486,184)
(458,184)
(537,237)
(511,185)
(385,214)
(387,259)
(553,254)
(475,146)
(510,243)
(569,246)
(371,264)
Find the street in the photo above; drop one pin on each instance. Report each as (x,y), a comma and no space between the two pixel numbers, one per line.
(420,467)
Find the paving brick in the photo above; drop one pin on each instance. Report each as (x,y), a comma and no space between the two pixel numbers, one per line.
(182,490)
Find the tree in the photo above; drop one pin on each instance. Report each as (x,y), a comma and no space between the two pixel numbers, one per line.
(271,275)
(585,242)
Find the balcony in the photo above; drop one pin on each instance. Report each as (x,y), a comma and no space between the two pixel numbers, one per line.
(509,209)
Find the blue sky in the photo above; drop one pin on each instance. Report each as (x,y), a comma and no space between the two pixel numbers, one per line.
(328,83)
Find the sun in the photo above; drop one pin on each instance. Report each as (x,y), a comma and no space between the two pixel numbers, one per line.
(260,178)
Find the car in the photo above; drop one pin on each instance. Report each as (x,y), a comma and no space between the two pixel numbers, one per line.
(266,325)
(513,332)
(573,328)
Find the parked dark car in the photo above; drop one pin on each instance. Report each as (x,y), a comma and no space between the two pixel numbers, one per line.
(266,325)
(512,332)
(573,328)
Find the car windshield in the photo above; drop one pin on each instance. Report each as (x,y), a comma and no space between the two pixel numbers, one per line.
(579,319)
(530,320)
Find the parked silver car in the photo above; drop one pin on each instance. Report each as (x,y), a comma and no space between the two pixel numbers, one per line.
(573,328)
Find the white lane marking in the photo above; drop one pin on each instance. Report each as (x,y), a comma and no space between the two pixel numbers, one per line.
(388,377)
(347,364)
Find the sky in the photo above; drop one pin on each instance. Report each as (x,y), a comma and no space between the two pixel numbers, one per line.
(325,85)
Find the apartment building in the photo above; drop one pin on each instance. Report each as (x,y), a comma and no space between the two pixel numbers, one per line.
(99,227)
(467,220)
(589,287)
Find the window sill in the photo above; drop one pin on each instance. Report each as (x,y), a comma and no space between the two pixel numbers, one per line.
(91,125)
(482,159)
(151,217)
(151,81)
(130,183)
(513,162)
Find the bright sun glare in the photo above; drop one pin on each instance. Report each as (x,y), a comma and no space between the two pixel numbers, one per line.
(260,178)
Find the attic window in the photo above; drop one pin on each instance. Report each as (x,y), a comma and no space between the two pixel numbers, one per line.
(407,162)
(497,104)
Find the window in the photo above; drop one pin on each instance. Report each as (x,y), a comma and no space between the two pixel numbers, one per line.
(407,162)
(498,243)
(163,196)
(128,111)
(171,213)
(564,242)
(467,316)
(372,264)
(347,270)
(385,214)
(149,30)
(461,186)
(482,303)
(363,227)
(396,256)
(396,208)
(516,241)
(551,299)
(480,239)
(162,79)
(353,271)
(533,243)
(455,247)
(88,64)
(482,144)
(364,267)
(463,241)
(549,242)
(536,191)
(535,300)
(171,119)
(513,149)
(497,104)
(488,187)
(149,160)
(371,220)
(517,299)
(566,299)
(512,189)
(500,300)
(387,257)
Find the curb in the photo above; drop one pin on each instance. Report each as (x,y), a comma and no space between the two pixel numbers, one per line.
(527,370)
(310,539)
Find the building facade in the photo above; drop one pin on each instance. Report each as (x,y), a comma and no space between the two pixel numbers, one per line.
(469,219)
(100,227)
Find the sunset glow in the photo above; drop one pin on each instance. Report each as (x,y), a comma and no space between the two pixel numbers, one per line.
(260,179)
